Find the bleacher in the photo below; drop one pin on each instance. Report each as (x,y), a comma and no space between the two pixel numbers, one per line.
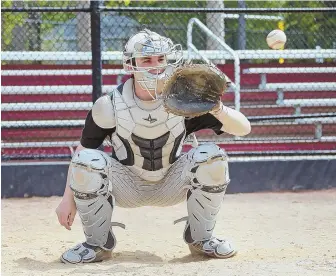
(44,108)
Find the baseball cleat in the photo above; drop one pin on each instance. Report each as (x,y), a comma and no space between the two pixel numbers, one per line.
(214,247)
(85,253)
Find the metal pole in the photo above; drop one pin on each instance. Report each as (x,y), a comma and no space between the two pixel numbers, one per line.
(96,51)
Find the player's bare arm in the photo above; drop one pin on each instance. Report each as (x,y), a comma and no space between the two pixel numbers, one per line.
(66,210)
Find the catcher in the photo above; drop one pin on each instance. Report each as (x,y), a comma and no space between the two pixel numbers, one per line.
(147,167)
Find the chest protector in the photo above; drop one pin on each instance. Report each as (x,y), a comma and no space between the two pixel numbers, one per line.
(147,139)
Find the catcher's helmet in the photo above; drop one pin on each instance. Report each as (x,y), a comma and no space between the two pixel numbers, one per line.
(147,43)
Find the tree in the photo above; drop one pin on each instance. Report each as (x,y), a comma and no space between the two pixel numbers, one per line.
(83,29)
(215,23)
(304,30)
(31,23)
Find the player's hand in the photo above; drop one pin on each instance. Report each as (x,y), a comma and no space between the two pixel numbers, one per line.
(66,212)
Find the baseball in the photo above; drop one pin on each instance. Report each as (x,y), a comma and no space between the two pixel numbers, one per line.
(276,39)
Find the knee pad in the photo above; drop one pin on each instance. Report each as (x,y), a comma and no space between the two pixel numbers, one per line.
(209,176)
(92,189)
(208,167)
(90,169)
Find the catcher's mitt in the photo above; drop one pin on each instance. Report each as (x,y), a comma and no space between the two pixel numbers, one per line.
(194,90)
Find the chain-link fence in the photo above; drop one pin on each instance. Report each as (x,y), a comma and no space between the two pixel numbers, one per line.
(289,95)
(70,31)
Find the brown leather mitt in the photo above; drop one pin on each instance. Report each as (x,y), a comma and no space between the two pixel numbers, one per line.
(193,90)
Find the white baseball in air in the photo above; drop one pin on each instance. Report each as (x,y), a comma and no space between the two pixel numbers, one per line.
(276,39)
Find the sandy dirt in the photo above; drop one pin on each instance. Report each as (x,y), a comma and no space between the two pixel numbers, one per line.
(275,233)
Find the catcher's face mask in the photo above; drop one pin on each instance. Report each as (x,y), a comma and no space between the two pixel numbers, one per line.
(150,45)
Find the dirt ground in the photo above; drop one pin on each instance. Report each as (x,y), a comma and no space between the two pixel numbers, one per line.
(275,233)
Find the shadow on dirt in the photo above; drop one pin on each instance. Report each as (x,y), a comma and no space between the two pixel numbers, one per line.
(124,261)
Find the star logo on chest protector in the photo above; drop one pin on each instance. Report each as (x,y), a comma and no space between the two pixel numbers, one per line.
(150,119)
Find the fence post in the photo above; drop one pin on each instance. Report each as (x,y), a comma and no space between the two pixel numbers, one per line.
(96,51)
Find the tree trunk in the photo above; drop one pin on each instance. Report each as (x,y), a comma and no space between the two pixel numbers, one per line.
(215,22)
(33,30)
(242,27)
(18,33)
(83,28)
